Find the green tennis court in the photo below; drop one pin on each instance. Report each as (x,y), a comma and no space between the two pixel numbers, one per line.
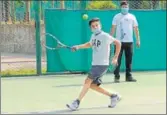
(50,94)
(28,70)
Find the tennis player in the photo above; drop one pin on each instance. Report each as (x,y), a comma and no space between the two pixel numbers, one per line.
(100,43)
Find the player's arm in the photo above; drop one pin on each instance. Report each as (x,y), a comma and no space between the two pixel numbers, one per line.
(81,46)
(118,47)
(84,46)
(117,43)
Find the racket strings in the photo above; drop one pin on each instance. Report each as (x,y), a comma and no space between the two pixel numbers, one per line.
(56,44)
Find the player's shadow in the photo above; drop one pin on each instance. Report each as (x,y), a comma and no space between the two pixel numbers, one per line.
(79,85)
(67,111)
(53,112)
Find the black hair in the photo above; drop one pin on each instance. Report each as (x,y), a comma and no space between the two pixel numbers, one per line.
(94,20)
(123,3)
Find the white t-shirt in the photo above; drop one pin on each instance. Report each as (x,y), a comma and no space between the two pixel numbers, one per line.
(101,48)
(125,24)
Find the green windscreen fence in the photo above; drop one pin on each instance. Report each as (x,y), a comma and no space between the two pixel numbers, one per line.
(69,27)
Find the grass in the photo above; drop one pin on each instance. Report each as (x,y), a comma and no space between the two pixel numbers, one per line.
(10,72)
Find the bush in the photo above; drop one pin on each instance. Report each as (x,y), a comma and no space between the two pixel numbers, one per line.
(101,5)
(19,4)
(162,4)
(145,5)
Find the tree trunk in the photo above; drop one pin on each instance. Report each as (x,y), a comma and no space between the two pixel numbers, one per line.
(27,13)
(62,4)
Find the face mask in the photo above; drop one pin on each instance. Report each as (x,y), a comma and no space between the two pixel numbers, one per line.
(97,30)
(124,10)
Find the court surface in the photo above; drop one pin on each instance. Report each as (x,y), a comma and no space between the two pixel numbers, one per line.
(50,94)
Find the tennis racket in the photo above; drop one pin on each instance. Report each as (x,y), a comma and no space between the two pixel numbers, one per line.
(57,44)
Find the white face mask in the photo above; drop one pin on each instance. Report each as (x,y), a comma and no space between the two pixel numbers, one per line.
(97,30)
(124,11)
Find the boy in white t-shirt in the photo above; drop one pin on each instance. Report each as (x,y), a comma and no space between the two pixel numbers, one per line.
(100,44)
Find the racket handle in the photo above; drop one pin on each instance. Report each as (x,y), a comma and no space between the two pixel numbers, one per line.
(72,48)
(69,47)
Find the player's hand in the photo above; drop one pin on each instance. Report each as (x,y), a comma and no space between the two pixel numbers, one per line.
(74,48)
(138,44)
(114,61)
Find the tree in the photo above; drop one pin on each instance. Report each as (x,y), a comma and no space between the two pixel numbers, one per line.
(101,5)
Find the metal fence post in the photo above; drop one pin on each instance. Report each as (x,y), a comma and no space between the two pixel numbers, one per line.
(0,63)
(37,35)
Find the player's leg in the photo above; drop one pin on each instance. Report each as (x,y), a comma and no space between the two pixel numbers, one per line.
(117,70)
(128,58)
(86,86)
(113,96)
(94,73)
(100,90)
(98,81)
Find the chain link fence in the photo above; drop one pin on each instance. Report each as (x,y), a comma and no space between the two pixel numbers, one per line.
(148,5)
(23,11)
(17,30)
(17,39)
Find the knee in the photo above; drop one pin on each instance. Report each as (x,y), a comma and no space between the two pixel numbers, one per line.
(94,86)
(88,81)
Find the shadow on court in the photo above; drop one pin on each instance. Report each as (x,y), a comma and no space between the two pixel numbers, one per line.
(78,85)
(63,111)
(102,108)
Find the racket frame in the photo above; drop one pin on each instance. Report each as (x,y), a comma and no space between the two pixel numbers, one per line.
(60,44)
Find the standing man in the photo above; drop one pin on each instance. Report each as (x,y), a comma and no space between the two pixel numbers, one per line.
(124,23)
